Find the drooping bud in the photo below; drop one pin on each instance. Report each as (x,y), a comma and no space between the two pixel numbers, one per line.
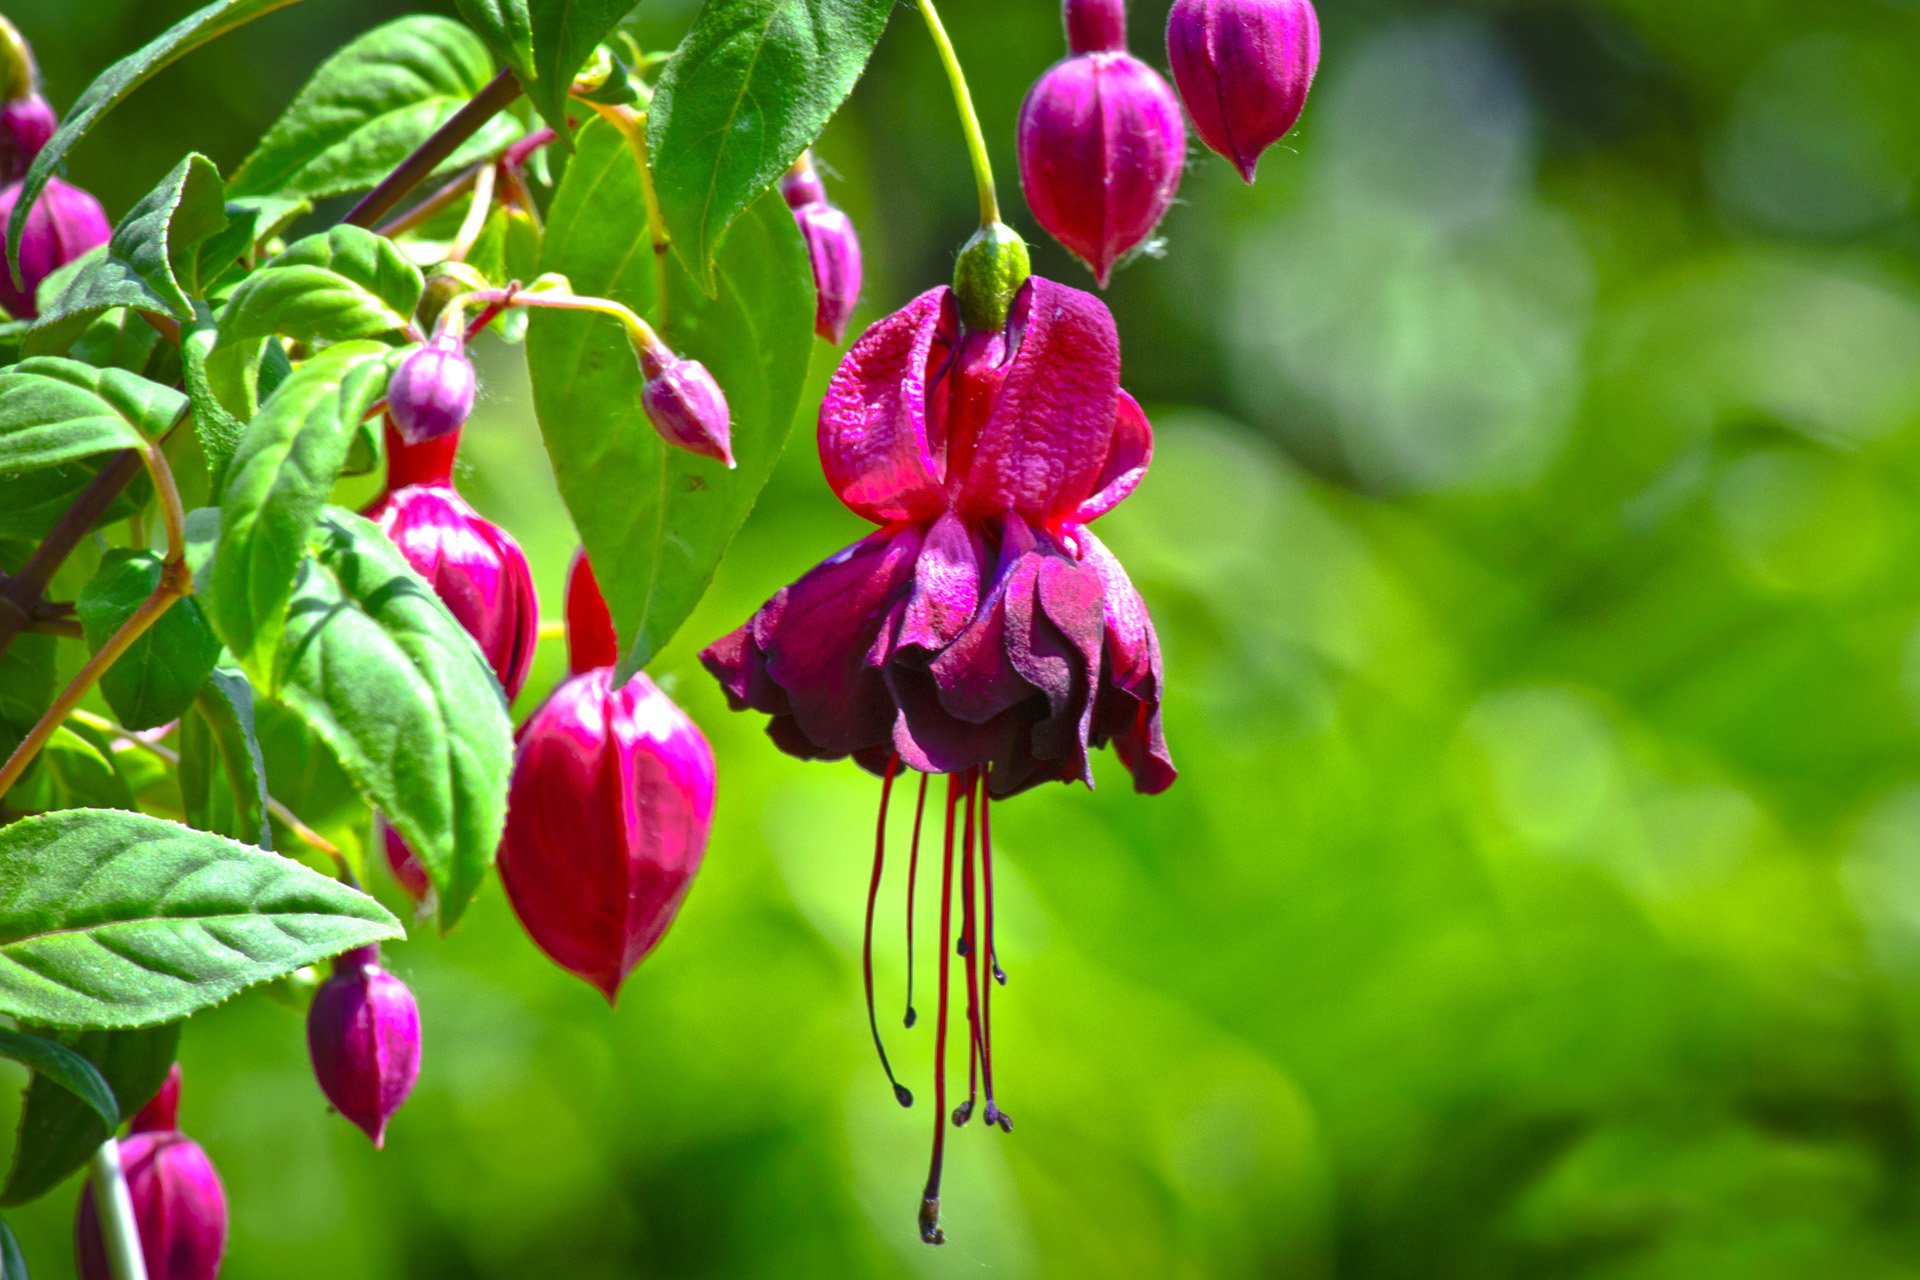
(1244,68)
(1096,26)
(991,268)
(65,222)
(431,393)
(832,245)
(685,405)
(800,186)
(178,1203)
(607,816)
(473,565)
(163,1108)
(26,124)
(1101,146)
(404,864)
(363,1034)
(591,641)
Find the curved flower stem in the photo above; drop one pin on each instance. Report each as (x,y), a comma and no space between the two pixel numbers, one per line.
(118,1227)
(969,119)
(431,154)
(478,207)
(633,127)
(638,331)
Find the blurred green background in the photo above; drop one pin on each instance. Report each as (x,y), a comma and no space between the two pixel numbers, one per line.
(1532,537)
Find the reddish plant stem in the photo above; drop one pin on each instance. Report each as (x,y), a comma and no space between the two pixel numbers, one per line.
(432,153)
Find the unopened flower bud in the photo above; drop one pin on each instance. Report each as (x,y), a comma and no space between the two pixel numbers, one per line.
(431,393)
(1243,68)
(591,641)
(685,405)
(178,1204)
(800,186)
(363,1034)
(1096,26)
(445,282)
(991,268)
(607,815)
(834,248)
(65,223)
(1101,146)
(25,126)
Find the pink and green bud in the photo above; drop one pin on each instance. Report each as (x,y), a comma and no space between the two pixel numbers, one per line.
(685,405)
(363,1034)
(991,268)
(1244,68)
(607,815)
(65,223)
(178,1203)
(431,394)
(1101,147)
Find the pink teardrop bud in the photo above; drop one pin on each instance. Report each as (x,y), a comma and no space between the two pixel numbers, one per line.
(591,641)
(178,1203)
(1096,26)
(801,186)
(404,864)
(65,222)
(834,248)
(431,393)
(363,1034)
(685,405)
(607,820)
(1101,146)
(163,1109)
(1244,68)
(26,124)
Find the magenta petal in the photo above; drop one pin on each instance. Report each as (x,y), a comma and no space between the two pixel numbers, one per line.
(1041,449)
(1128,710)
(1054,642)
(873,420)
(1127,458)
(946,587)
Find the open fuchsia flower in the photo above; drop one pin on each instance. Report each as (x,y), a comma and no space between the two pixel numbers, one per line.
(178,1203)
(609,809)
(983,632)
(1243,68)
(1101,142)
(363,1034)
(832,245)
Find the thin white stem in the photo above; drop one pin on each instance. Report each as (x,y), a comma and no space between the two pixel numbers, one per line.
(115,1207)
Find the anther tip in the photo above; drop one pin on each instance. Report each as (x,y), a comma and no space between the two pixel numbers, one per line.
(962,1114)
(930,1231)
(911,1018)
(962,948)
(995,1116)
(999,975)
(903,1095)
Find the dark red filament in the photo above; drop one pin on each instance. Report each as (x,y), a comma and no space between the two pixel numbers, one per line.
(900,1092)
(967,949)
(930,1199)
(913,873)
(993,1115)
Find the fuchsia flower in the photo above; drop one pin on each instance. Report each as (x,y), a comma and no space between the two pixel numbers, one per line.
(363,1035)
(608,811)
(27,124)
(832,245)
(1244,68)
(983,631)
(1101,142)
(65,222)
(432,391)
(178,1203)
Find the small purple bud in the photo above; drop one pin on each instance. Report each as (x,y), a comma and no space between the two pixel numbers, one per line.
(25,126)
(1101,146)
(834,247)
(1244,68)
(178,1204)
(363,1034)
(65,223)
(1096,26)
(405,864)
(685,405)
(431,393)
(801,186)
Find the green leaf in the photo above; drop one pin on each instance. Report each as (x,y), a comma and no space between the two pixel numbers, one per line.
(384,675)
(53,1061)
(748,90)
(656,520)
(546,42)
(75,769)
(121,79)
(223,783)
(58,1132)
(218,430)
(149,264)
(276,486)
(54,410)
(341,284)
(112,919)
(12,1265)
(369,106)
(156,679)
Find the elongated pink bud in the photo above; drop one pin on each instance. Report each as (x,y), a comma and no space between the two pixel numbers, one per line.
(178,1203)
(591,641)
(1244,68)
(607,821)
(1101,147)
(431,393)
(65,223)
(1096,26)
(26,124)
(363,1034)
(833,246)
(686,406)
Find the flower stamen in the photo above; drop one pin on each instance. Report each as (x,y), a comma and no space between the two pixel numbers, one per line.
(930,1199)
(993,1114)
(913,872)
(900,1091)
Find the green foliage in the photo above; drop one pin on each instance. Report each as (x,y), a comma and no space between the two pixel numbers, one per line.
(154,681)
(223,780)
(546,42)
(368,106)
(50,1060)
(54,410)
(750,87)
(59,1131)
(12,1265)
(399,692)
(114,919)
(656,520)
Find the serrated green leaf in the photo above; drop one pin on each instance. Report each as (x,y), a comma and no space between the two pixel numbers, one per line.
(656,520)
(155,679)
(223,783)
(217,429)
(748,90)
(276,487)
(121,79)
(114,919)
(54,410)
(149,264)
(546,42)
(343,283)
(53,1061)
(58,1132)
(385,676)
(369,105)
